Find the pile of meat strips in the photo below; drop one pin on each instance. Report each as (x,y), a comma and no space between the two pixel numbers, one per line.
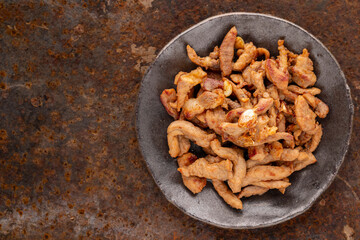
(258,106)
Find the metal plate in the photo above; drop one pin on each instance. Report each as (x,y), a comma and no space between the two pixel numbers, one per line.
(307,185)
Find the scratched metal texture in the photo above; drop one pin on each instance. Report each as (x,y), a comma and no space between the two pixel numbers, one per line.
(70,166)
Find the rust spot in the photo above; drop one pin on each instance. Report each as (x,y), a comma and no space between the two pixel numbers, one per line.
(36,102)
(19,211)
(70,206)
(2,73)
(3,85)
(81,211)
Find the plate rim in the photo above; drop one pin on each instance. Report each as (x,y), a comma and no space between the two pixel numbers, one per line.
(317,195)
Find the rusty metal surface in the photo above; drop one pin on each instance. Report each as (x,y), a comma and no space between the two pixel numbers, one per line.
(70,167)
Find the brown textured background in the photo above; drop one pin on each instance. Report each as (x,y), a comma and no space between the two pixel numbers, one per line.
(70,167)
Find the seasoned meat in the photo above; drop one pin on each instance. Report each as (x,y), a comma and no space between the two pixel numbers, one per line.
(252,190)
(167,97)
(315,140)
(275,75)
(304,159)
(239,164)
(185,83)
(263,105)
(188,130)
(249,54)
(226,54)
(266,173)
(202,168)
(321,109)
(277,184)
(210,84)
(214,118)
(257,153)
(302,72)
(226,194)
(299,90)
(194,184)
(207,100)
(254,75)
(205,62)
(305,117)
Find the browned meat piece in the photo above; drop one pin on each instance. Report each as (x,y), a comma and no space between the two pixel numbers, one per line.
(321,109)
(275,149)
(302,72)
(191,108)
(207,100)
(184,145)
(273,73)
(278,136)
(299,90)
(257,153)
(252,190)
(305,118)
(263,51)
(277,184)
(304,159)
(254,74)
(268,159)
(214,118)
(266,173)
(288,95)
(226,54)
(194,184)
(273,92)
(187,129)
(234,114)
(215,53)
(214,75)
(286,108)
(232,130)
(241,95)
(226,194)
(211,100)
(232,104)
(272,117)
(239,80)
(281,122)
(213,158)
(202,168)
(263,105)
(177,77)
(198,120)
(169,96)
(205,62)
(277,72)
(315,140)
(210,84)
(249,54)
(283,57)
(289,154)
(304,138)
(246,141)
(239,164)
(185,83)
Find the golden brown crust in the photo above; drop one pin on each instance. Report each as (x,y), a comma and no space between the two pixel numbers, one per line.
(226,54)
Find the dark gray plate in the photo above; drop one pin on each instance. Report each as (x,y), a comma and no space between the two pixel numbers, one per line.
(307,185)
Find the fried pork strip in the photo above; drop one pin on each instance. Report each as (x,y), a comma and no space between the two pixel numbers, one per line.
(202,168)
(194,184)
